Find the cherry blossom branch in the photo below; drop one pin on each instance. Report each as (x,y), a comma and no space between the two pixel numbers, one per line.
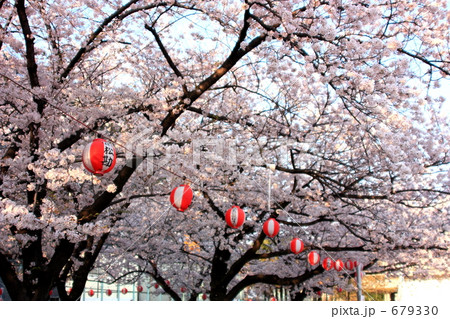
(236,54)
(102,202)
(426,61)
(129,198)
(29,44)
(167,56)
(76,59)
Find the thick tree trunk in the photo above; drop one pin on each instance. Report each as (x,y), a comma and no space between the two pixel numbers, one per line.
(218,270)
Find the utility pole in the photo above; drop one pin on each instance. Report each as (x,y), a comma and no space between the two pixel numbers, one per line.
(358,281)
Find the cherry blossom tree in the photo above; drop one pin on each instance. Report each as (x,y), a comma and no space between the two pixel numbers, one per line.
(324,115)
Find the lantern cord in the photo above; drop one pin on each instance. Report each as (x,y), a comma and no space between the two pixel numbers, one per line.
(115,142)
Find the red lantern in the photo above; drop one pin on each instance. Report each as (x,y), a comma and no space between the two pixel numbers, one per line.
(181,197)
(140,288)
(108,292)
(328,263)
(68,291)
(50,292)
(183,289)
(313,258)
(99,157)
(91,292)
(349,264)
(319,293)
(339,289)
(355,264)
(235,217)
(1,291)
(156,286)
(338,265)
(271,227)
(204,296)
(124,291)
(296,246)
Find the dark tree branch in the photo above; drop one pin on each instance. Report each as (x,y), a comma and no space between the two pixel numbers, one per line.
(236,54)
(166,55)
(271,280)
(77,58)
(424,60)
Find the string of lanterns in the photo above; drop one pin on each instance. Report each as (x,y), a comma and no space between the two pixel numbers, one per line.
(99,158)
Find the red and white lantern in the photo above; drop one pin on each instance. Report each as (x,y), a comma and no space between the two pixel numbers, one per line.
(313,258)
(181,197)
(338,265)
(99,157)
(349,264)
(140,289)
(271,227)
(204,296)
(235,217)
(91,293)
(124,291)
(108,292)
(328,263)
(296,246)
(156,286)
(183,289)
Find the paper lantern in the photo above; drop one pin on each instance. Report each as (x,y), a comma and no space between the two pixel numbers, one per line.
(183,289)
(50,292)
(156,286)
(167,282)
(181,197)
(339,289)
(271,227)
(338,265)
(140,288)
(99,157)
(124,291)
(91,292)
(296,246)
(328,263)
(204,296)
(108,292)
(1,291)
(349,264)
(235,217)
(313,258)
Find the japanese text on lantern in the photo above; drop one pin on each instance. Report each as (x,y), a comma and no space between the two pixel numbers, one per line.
(108,156)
